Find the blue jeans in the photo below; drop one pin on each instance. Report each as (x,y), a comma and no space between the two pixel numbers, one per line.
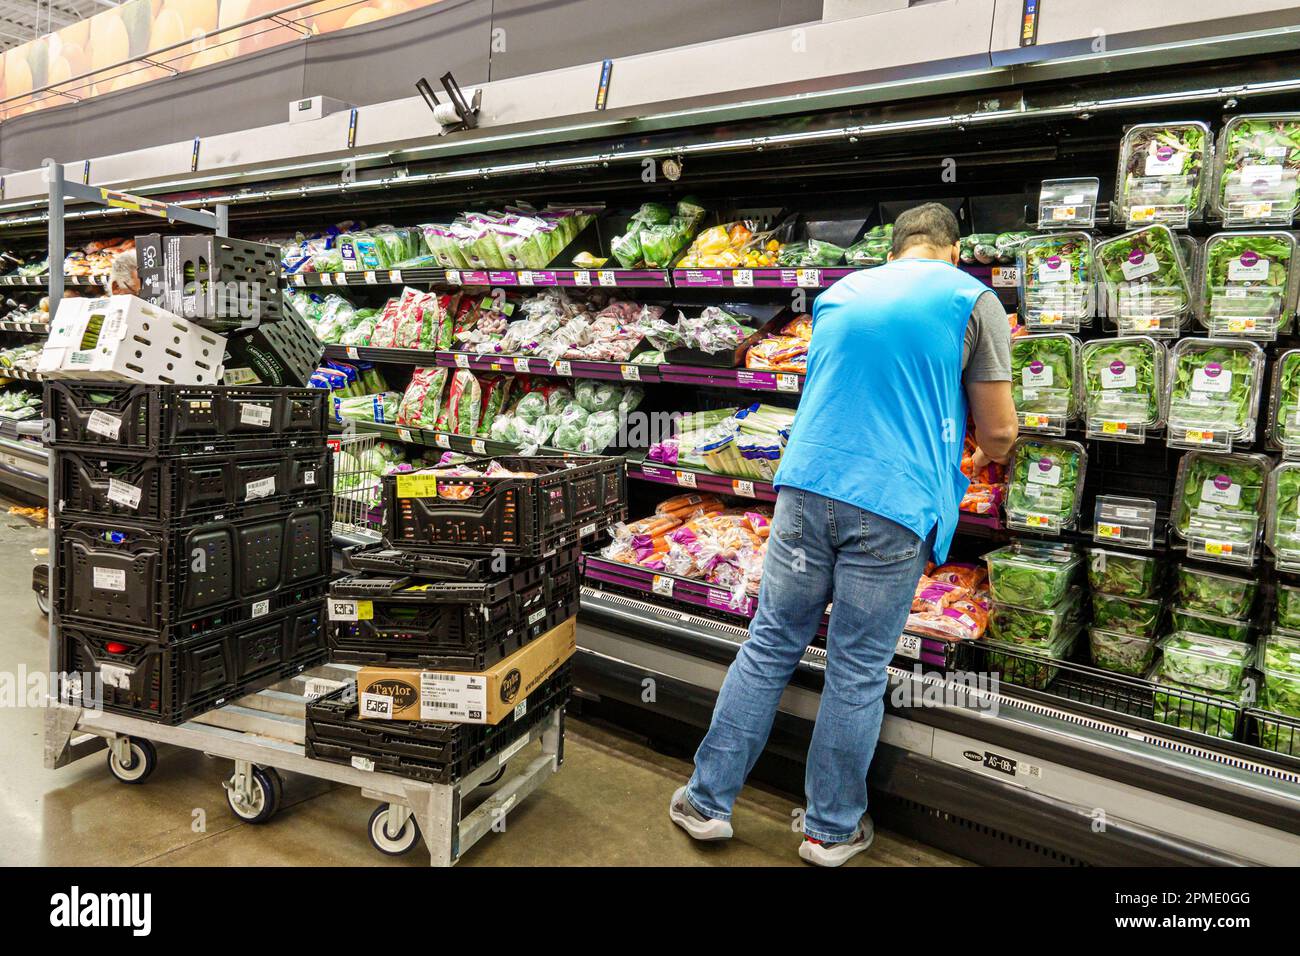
(819,547)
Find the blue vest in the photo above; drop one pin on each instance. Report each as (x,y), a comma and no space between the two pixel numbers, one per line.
(882,418)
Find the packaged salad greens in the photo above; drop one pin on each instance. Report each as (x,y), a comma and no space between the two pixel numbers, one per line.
(1257,180)
(1283,515)
(1218,503)
(1138,616)
(1199,589)
(1027,666)
(1184,705)
(1032,577)
(1163,171)
(1122,573)
(1031,626)
(1057,281)
(1284,414)
(1124,387)
(1214,391)
(1146,284)
(1121,653)
(1280,653)
(1206,662)
(1045,381)
(873,248)
(1248,284)
(1046,484)
(1209,625)
(1287,612)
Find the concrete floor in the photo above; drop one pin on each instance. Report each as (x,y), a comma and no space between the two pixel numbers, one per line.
(607,806)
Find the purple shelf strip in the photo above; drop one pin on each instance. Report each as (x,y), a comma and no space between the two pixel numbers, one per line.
(703,481)
(732,378)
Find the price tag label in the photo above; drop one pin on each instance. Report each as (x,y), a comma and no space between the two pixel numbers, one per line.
(352,353)
(1240,323)
(563,368)
(349,609)
(1199,436)
(371,278)
(744,488)
(341,279)
(1006,277)
(909,645)
(521,365)
(1109,531)
(453,277)
(462,360)
(1141,213)
(326,278)
(1114,428)
(394,275)
(607,277)
(1051,318)
(1035,421)
(441,440)
(1218,549)
(787,382)
(405,435)
(1063,213)
(743,278)
(631,373)
(807,278)
(1146,323)
(663,585)
(581,277)
(478,446)
(1037,521)
(1257,210)
(525,277)
(300,280)
(685,478)
(417,486)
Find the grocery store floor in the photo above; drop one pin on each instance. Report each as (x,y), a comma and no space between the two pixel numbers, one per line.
(605,807)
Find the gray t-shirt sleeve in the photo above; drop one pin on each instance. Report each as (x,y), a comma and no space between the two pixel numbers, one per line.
(986,356)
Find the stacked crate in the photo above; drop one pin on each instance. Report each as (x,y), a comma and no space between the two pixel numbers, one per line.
(479,563)
(192,541)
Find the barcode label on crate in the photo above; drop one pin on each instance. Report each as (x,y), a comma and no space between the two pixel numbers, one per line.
(115,675)
(521,709)
(461,697)
(259,415)
(261,608)
(513,749)
(123,493)
(363,763)
(109,579)
(104,425)
(320,686)
(261,488)
(377,706)
(349,609)
(309,477)
(587,529)
(537,616)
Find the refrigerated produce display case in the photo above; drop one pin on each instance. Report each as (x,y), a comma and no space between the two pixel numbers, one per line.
(551,300)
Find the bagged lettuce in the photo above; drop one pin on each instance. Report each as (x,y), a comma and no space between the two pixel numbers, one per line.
(464,403)
(496,392)
(423,397)
(380,408)
(627,248)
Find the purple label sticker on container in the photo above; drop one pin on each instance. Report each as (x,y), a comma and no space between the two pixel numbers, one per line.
(1212,369)
(1036,367)
(1136,256)
(1044,464)
(1222,482)
(1117,367)
(1053,262)
(1249,258)
(1164,153)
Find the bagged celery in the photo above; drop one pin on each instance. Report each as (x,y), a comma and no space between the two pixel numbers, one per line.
(421,402)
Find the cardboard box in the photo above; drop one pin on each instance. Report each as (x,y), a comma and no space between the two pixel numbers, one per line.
(481,697)
(125,339)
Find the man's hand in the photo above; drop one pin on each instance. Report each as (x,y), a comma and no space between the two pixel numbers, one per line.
(981,460)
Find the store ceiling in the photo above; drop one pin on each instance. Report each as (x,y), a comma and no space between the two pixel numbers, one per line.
(24,20)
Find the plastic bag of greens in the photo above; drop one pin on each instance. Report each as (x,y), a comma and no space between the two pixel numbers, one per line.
(599,432)
(627,248)
(496,393)
(531,407)
(505,428)
(423,397)
(381,408)
(568,435)
(630,399)
(557,399)
(692,212)
(359,335)
(792,254)
(821,254)
(653,214)
(596,396)
(464,403)
(872,249)
(660,245)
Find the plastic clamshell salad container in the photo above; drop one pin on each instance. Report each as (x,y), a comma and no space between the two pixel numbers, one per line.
(1068,203)
(1217,504)
(1248,284)
(1184,705)
(1046,484)
(1282,532)
(1206,662)
(1286,613)
(1058,282)
(1257,172)
(1117,519)
(1045,382)
(1209,625)
(1124,386)
(1122,573)
(1284,406)
(1280,652)
(1200,589)
(1031,577)
(1140,616)
(1119,652)
(1027,666)
(1033,626)
(1214,391)
(1146,283)
(1164,169)
(1280,692)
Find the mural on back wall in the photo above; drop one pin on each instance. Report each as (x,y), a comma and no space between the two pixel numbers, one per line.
(202,28)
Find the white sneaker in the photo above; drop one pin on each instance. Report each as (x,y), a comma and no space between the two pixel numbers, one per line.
(695,823)
(835,854)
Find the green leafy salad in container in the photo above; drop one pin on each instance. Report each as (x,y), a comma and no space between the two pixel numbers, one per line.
(1190,707)
(1199,589)
(1046,484)
(1214,391)
(1258,171)
(1163,169)
(1286,614)
(1122,573)
(1030,666)
(1209,625)
(1206,662)
(1120,652)
(1284,420)
(1283,521)
(1248,283)
(1137,616)
(1031,577)
(1057,281)
(1045,380)
(1124,385)
(1147,289)
(1218,502)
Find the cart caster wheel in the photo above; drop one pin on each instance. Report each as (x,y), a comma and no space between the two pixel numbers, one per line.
(144,758)
(495,777)
(392,844)
(265,800)
(43,603)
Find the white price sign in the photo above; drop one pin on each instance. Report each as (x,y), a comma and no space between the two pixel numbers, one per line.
(807,278)
(453,277)
(606,277)
(394,275)
(1005,277)
(909,645)
(478,446)
(631,373)
(326,278)
(404,434)
(662,585)
(582,277)
(521,366)
(563,368)
(442,441)
(743,278)
(745,488)
(462,360)
(371,278)
(341,279)
(787,382)
(686,479)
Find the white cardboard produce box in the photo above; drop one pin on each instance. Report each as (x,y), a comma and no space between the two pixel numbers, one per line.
(123,338)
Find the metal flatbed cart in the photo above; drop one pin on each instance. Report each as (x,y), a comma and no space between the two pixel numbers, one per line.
(264,733)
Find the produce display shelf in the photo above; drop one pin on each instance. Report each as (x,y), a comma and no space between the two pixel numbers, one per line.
(435,439)
(528,365)
(20,374)
(30,328)
(21,428)
(523,278)
(753,379)
(701,480)
(41,281)
(363,278)
(812,278)
(363,353)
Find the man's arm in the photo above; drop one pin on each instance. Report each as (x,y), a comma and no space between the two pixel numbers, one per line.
(988,380)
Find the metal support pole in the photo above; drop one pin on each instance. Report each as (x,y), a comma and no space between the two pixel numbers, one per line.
(223,220)
(54,172)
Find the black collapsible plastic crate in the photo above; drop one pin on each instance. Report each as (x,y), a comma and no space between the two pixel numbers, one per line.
(150,489)
(183,419)
(283,353)
(529,517)
(385,559)
(421,629)
(423,750)
(148,580)
(171,683)
(216,281)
